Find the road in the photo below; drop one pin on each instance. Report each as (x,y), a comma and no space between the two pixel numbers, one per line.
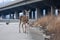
(11,32)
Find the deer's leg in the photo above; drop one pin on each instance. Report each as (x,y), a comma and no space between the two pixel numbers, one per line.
(22,27)
(25,28)
(19,27)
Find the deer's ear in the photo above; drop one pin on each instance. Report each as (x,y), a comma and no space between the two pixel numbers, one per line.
(28,10)
(25,10)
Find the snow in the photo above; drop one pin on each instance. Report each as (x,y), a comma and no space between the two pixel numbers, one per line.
(11,32)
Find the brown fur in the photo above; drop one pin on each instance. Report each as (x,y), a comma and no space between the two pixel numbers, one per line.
(24,20)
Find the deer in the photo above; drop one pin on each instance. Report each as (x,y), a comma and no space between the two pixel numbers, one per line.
(24,21)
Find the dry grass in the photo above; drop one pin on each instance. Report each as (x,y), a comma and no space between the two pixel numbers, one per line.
(51,23)
(54,25)
(54,28)
(43,21)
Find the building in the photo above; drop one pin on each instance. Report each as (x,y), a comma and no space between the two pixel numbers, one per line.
(38,8)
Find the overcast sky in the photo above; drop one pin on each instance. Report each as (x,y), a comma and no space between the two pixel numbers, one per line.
(8,2)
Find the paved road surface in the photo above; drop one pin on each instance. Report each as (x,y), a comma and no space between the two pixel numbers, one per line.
(10,32)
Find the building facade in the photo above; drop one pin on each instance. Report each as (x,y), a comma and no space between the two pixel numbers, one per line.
(38,8)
